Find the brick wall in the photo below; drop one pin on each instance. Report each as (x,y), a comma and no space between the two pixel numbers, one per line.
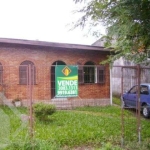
(11,56)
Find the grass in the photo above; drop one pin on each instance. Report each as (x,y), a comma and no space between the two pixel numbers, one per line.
(116,100)
(95,128)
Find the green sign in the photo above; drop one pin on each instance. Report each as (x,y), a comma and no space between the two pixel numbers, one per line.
(66,81)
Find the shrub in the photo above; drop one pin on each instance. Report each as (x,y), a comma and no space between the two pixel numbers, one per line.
(43,111)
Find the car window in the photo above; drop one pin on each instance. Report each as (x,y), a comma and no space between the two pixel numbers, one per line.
(144,90)
(133,90)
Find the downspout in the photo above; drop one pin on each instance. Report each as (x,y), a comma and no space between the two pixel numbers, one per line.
(110,70)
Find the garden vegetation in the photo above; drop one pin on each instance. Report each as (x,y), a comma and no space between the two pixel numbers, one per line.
(93,128)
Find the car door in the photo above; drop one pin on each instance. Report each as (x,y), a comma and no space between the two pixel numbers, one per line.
(131,97)
(144,94)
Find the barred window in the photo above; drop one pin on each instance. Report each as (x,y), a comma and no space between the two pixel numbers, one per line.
(100,74)
(24,72)
(1,74)
(90,73)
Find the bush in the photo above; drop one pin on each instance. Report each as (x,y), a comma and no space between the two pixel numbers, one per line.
(43,111)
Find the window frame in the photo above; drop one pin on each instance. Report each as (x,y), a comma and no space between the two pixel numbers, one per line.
(89,74)
(24,73)
(80,75)
(99,74)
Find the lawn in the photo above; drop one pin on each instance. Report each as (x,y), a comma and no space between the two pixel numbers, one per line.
(86,128)
(117,100)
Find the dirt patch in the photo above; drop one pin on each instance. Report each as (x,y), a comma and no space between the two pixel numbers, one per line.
(80,148)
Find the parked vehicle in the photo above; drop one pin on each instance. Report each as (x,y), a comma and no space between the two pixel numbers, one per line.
(130,98)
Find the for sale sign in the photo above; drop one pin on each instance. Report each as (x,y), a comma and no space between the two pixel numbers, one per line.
(66,81)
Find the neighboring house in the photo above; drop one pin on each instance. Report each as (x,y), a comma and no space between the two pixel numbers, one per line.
(42,57)
(129,75)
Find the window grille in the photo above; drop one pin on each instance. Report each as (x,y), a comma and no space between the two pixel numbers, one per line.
(91,74)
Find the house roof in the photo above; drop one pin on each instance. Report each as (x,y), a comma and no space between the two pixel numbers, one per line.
(52,44)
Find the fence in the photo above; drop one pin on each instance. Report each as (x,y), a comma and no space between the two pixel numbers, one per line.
(124,78)
(38,83)
(129,77)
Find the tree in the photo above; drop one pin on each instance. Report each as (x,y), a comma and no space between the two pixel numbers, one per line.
(127,22)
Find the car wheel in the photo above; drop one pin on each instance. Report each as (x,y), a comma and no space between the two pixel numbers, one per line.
(145,111)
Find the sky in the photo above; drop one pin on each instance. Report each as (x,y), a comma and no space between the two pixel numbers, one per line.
(43,20)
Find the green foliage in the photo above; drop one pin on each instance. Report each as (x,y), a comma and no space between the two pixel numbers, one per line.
(96,127)
(35,144)
(42,111)
(127,23)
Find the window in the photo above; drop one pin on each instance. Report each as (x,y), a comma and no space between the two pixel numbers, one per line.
(100,74)
(134,90)
(144,90)
(24,72)
(1,74)
(90,73)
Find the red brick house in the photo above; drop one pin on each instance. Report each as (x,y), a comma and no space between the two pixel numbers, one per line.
(16,55)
